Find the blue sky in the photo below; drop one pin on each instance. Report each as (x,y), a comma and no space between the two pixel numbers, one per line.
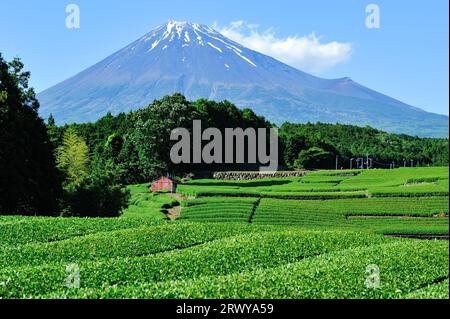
(406,58)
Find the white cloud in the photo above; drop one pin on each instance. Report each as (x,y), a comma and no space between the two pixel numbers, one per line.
(306,53)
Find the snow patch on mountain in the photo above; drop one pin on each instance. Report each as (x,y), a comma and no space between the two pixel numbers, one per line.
(213,46)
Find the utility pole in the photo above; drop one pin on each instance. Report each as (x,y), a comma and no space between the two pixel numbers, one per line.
(412,163)
(404,162)
(351,163)
(367,160)
(337,158)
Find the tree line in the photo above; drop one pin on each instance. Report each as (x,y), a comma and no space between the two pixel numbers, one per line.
(80,169)
(42,174)
(317,146)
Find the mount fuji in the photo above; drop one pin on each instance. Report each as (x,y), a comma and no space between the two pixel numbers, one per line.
(199,62)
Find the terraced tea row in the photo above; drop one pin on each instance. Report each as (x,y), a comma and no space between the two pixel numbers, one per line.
(121,243)
(235,254)
(425,207)
(406,269)
(219,209)
(408,182)
(383,215)
(48,229)
(336,214)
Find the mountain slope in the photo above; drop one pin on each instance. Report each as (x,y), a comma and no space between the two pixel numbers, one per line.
(199,62)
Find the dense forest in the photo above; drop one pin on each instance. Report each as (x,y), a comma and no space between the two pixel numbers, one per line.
(354,142)
(80,169)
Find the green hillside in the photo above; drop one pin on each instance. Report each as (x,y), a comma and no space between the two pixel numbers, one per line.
(271,238)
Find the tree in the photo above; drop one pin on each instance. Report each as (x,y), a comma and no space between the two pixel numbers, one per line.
(129,164)
(151,134)
(314,157)
(113,146)
(54,132)
(292,145)
(73,158)
(89,191)
(29,182)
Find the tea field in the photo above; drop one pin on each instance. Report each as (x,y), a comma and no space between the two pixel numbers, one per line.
(329,234)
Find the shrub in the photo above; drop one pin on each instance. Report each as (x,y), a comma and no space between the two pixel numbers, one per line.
(97,196)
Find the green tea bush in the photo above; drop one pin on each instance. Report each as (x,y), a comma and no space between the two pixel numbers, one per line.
(51,229)
(404,267)
(433,291)
(119,243)
(225,256)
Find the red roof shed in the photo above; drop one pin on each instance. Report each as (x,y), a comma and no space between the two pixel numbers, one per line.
(163,184)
